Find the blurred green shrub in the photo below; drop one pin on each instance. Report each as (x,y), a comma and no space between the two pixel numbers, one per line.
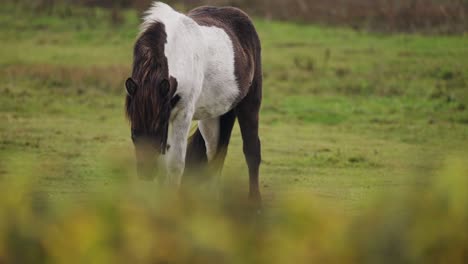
(134,223)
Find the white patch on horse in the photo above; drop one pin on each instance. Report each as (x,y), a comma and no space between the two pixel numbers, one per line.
(220,89)
(209,129)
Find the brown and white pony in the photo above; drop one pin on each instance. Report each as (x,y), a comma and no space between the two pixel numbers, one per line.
(203,66)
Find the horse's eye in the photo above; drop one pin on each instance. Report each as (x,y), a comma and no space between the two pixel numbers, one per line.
(135,134)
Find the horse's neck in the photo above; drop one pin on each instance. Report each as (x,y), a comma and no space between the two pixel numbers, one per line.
(183,45)
(184,51)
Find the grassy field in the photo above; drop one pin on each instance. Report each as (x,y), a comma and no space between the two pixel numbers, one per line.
(347,117)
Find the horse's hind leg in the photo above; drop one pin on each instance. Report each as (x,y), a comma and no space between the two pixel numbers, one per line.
(226,123)
(217,134)
(247,113)
(209,129)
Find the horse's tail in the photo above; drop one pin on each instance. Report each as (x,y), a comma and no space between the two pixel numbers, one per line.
(196,159)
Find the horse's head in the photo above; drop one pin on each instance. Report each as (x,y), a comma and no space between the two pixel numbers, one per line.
(149,109)
(150,98)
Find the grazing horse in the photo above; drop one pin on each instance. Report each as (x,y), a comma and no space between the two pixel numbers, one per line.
(203,66)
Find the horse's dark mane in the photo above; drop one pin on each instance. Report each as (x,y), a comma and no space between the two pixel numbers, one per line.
(147,109)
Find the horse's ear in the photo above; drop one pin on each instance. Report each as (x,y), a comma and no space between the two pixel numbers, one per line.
(173,83)
(130,87)
(164,88)
(175,100)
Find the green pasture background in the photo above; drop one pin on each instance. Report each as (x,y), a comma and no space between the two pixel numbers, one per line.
(347,117)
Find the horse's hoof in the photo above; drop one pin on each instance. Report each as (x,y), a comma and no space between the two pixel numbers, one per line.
(255,201)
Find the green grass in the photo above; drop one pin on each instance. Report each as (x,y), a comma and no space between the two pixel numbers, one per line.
(346,115)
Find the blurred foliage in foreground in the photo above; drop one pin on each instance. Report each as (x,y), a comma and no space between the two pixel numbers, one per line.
(139,224)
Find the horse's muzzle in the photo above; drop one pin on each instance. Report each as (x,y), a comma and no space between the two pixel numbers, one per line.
(146,170)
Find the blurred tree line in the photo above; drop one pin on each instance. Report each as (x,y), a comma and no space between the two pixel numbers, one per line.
(434,16)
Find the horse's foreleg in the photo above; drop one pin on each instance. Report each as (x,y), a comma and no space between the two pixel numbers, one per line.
(175,161)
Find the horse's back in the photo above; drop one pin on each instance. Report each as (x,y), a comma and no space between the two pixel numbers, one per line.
(239,27)
(231,19)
